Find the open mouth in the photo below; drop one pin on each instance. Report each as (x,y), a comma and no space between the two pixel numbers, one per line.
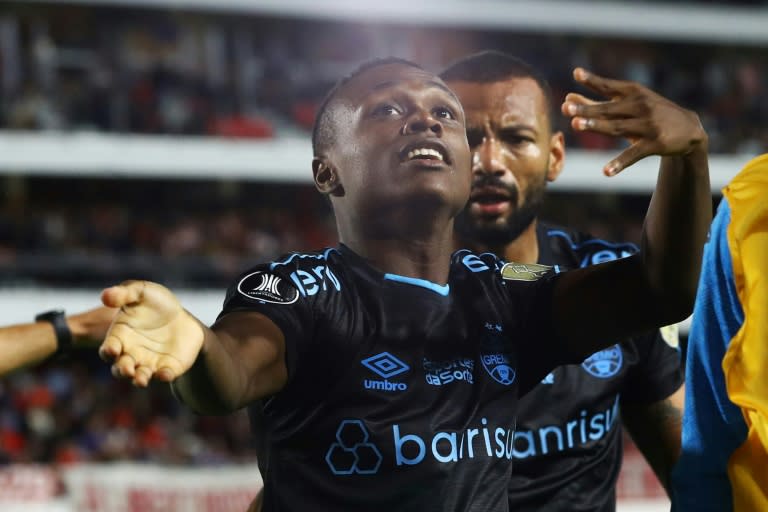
(428,152)
(489,195)
(489,201)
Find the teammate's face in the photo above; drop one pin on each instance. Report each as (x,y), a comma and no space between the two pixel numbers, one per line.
(400,142)
(514,154)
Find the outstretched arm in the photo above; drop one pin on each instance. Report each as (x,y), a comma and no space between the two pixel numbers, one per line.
(659,283)
(213,370)
(27,344)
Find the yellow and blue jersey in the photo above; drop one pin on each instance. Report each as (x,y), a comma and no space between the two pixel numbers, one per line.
(724,460)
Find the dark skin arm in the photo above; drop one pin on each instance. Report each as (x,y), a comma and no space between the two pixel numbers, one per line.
(656,429)
(237,367)
(214,370)
(659,283)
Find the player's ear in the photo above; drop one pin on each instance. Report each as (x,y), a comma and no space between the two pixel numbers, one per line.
(325,176)
(556,155)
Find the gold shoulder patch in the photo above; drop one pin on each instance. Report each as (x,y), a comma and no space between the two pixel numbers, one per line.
(523,271)
(671,334)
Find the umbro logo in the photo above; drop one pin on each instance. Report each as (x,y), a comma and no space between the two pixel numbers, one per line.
(386,366)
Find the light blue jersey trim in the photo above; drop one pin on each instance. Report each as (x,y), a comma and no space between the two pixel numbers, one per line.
(563,234)
(429,285)
(295,255)
(479,255)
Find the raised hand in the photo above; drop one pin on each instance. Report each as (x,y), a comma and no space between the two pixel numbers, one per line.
(653,124)
(152,336)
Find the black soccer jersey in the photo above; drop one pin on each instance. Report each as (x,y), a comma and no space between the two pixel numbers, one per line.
(401,393)
(568,442)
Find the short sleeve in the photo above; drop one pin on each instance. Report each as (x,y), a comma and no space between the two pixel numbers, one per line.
(530,290)
(658,373)
(273,293)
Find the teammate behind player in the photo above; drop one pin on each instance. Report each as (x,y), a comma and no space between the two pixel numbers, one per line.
(724,462)
(568,440)
(28,344)
(338,344)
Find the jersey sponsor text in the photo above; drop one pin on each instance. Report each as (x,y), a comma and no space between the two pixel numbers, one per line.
(553,438)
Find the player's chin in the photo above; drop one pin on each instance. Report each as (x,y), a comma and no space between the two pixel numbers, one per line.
(442,192)
(489,223)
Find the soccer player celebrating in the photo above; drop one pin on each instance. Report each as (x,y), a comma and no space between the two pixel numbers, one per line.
(339,346)
(568,443)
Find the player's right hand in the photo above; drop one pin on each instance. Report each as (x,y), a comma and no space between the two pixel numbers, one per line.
(152,336)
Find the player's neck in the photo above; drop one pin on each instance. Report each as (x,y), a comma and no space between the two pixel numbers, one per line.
(414,257)
(524,248)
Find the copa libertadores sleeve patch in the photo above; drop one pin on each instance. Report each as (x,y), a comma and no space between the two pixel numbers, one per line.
(523,271)
(671,334)
(268,287)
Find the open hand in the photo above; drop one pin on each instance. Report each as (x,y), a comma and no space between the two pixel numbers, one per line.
(152,336)
(653,124)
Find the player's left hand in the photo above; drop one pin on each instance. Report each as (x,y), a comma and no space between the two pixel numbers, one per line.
(653,124)
(152,336)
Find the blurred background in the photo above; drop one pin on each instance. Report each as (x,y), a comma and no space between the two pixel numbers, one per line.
(169,140)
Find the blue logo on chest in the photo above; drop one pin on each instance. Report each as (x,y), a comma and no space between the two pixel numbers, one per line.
(495,356)
(353,452)
(385,365)
(604,364)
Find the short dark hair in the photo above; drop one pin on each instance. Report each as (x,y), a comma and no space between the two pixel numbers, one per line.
(323,130)
(491,66)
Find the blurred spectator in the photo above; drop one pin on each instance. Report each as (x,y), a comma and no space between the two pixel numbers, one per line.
(205,237)
(173,72)
(75,412)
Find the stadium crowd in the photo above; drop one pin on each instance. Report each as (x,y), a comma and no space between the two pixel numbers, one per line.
(203,238)
(128,70)
(206,237)
(74,411)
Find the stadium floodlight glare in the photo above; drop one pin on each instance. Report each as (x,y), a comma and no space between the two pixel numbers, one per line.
(724,24)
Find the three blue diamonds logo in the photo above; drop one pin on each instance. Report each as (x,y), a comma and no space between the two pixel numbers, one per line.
(386,366)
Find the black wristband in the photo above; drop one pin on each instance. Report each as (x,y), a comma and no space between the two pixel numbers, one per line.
(63,334)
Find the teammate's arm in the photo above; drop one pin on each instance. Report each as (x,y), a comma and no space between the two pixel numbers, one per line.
(658,285)
(27,344)
(214,370)
(656,429)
